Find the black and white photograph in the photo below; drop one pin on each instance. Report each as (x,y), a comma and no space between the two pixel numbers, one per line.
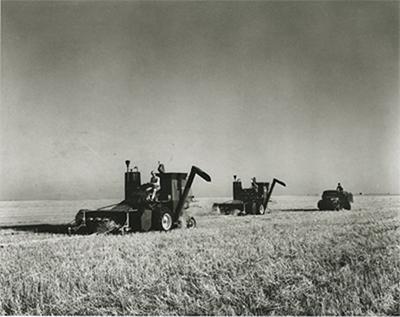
(200,158)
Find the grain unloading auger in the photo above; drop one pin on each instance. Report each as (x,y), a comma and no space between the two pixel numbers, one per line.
(136,212)
(253,200)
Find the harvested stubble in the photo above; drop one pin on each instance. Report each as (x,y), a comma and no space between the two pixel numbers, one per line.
(285,263)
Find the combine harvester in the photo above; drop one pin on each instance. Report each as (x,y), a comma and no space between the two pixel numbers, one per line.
(137,212)
(253,200)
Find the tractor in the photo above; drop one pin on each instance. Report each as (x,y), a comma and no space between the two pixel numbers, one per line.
(335,200)
(137,212)
(253,200)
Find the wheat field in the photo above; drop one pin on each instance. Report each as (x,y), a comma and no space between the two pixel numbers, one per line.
(291,261)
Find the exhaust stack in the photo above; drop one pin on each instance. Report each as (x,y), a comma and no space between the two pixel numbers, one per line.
(132,181)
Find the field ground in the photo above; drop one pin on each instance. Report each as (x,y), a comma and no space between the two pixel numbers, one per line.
(287,262)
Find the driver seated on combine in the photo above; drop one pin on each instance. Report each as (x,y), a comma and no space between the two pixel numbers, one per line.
(254,184)
(161,168)
(155,182)
(339,188)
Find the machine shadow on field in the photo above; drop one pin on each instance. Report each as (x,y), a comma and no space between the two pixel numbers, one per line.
(40,228)
(300,209)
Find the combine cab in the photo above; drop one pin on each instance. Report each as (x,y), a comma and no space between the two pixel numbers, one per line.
(335,200)
(253,200)
(137,212)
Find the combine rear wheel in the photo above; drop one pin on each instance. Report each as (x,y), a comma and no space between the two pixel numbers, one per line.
(191,223)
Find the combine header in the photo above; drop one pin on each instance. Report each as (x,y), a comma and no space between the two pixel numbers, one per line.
(253,200)
(137,212)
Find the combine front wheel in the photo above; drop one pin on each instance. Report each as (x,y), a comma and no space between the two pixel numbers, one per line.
(165,220)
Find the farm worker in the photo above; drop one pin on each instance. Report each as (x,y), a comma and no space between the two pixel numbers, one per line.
(339,187)
(161,168)
(155,182)
(265,189)
(136,169)
(254,184)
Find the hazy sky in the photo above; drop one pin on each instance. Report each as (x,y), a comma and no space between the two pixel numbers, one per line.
(307,92)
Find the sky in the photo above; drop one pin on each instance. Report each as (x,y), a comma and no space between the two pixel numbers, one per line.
(304,91)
